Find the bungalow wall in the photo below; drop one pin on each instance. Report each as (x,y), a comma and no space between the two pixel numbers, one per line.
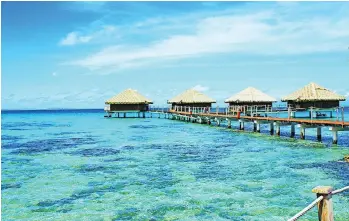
(317,104)
(129,107)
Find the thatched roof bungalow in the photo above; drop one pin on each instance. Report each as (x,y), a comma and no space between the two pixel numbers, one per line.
(313,95)
(250,96)
(128,100)
(191,98)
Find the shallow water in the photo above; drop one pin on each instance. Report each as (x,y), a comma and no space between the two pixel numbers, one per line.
(77,165)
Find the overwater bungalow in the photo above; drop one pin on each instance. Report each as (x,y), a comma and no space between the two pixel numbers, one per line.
(191,98)
(313,96)
(250,96)
(251,100)
(128,101)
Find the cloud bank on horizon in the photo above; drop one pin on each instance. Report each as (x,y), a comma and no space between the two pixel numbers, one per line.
(163,48)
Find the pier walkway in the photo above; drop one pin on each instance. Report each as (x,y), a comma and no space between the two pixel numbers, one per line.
(202,115)
(228,115)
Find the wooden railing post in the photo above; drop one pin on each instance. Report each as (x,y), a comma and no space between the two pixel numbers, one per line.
(325,206)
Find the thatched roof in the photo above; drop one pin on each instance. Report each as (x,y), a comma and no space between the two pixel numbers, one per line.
(313,92)
(129,96)
(250,94)
(191,96)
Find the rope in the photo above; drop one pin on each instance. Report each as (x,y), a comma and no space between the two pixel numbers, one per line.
(340,190)
(306,209)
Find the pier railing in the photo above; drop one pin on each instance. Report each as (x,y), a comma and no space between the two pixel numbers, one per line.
(324,203)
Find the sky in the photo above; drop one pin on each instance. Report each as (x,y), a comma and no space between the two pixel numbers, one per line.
(79,54)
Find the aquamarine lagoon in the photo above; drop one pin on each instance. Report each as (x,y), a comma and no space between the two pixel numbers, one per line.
(78,165)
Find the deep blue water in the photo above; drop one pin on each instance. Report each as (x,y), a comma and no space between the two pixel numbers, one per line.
(78,165)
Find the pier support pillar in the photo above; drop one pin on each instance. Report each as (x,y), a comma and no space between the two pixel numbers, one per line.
(208,121)
(330,114)
(118,115)
(218,123)
(242,125)
(151,115)
(159,115)
(318,134)
(277,129)
(254,127)
(293,114)
(272,128)
(258,129)
(334,136)
(124,114)
(293,130)
(302,133)
(229,123)
(139,114)
(143,114)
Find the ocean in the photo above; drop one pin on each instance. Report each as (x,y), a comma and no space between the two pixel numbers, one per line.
(78,165)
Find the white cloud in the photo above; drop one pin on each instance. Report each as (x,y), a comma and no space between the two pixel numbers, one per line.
(263,33)
(74,38)
(201,88)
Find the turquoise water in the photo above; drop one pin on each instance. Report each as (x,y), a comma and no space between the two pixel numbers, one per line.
(78,165)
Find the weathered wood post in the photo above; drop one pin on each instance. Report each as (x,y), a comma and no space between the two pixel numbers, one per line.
(293,130)
(335,136)
(242,125)
(302,135)
(272,128)
(277,128)
(325,206)
(229,123)
(318,133)
(258,128)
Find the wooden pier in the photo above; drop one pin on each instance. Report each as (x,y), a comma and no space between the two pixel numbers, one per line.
(202,115)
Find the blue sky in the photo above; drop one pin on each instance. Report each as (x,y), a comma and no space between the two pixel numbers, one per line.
(78,54)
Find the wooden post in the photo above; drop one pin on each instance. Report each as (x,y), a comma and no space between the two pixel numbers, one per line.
(302,133)
(258,128)
(271,128)
(335,136)
(242,125)
(293,130)
(229,123)
(254,127)
(277,129)
(318,133)
(143,114)
(124,114)
(325,206)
